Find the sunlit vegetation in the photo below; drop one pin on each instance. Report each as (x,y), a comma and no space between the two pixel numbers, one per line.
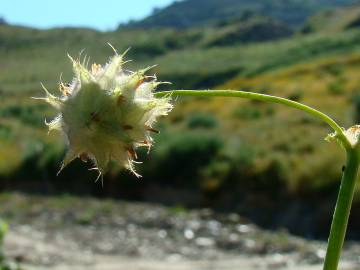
(213,145)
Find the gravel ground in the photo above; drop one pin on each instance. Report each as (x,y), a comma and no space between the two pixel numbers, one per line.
(82,233)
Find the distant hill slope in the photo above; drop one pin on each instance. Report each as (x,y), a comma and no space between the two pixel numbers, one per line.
(189,13)
(334,20)
(188,59)
(251,30)
(319,69)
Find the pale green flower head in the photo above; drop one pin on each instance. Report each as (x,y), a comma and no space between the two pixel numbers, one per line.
(106,113)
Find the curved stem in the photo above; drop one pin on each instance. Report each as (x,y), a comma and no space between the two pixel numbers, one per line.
(342,210)
(347,188)
(263,97)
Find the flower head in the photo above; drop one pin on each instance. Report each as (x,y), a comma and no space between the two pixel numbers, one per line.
(352,135)
(106,112)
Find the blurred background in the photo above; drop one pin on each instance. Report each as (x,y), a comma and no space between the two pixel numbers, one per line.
(229,183)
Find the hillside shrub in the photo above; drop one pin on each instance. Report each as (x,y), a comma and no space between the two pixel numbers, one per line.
(337,87)
(181,156)
(201,120)
(247,113)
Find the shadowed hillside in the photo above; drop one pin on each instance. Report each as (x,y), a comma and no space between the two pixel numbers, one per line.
(189,13)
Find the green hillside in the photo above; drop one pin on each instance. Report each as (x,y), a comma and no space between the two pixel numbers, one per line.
(334,20)
(182,59)
(250,30)
(235,145)
(190,13)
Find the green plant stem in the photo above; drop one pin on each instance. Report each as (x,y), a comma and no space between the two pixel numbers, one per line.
(342,210)
(262,97)
(346,192)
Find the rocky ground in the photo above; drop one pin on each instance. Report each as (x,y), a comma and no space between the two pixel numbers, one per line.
(82,233)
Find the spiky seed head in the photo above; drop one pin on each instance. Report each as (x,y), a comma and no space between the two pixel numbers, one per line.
(106,113)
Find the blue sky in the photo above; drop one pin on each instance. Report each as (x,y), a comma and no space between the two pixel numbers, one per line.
(100,14)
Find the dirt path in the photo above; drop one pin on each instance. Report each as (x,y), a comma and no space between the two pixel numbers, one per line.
(241,263)
(61,234)
(35,253)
